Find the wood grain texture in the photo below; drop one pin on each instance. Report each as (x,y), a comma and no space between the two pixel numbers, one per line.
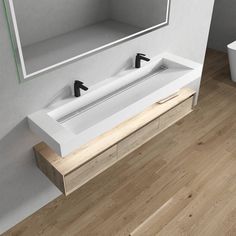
(178,112)
(56,177)
(86,172)
(78,175)
(138,138)
(110,138)
(180,183)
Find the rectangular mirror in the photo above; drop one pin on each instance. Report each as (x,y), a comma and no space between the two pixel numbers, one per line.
(47,34)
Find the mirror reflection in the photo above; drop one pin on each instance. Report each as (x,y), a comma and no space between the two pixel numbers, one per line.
(47,34)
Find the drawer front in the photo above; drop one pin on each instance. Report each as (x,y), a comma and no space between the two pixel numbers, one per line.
(91,169)
(138,138)
(176,113)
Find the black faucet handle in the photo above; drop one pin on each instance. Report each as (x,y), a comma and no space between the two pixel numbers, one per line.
(81,85)
(141,54)
(78,82)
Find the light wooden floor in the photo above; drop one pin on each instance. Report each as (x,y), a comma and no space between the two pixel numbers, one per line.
(186,177)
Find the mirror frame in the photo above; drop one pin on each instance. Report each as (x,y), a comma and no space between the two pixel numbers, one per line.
(18,52)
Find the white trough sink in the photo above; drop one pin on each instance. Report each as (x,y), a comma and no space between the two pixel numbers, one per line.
(67,127)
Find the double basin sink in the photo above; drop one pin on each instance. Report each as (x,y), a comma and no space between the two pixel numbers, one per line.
(67,127)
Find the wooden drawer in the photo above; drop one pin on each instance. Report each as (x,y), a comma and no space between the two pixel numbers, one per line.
(176,113)
(73,171)
(138,138)
(89,170)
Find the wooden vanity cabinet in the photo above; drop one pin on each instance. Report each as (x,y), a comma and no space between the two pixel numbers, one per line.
(73,171)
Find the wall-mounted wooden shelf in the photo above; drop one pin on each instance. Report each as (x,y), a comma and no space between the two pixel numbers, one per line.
(73,171)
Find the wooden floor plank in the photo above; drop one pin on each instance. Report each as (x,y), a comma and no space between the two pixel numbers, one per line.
(182,182)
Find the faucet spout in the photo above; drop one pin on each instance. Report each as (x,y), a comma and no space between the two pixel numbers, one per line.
(139,58)
(78,85)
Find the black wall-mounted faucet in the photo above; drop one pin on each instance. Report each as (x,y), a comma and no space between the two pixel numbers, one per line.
(139,58)
(77,86)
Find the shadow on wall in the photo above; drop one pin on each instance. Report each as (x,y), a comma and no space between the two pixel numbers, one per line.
(64,93)
(14,181)
(126,65)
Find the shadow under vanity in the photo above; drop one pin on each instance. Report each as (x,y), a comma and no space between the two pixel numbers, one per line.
(84,135)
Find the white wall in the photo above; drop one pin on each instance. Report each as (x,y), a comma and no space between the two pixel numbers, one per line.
(139,13)
(24,189)
(42,19)
(223,28)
